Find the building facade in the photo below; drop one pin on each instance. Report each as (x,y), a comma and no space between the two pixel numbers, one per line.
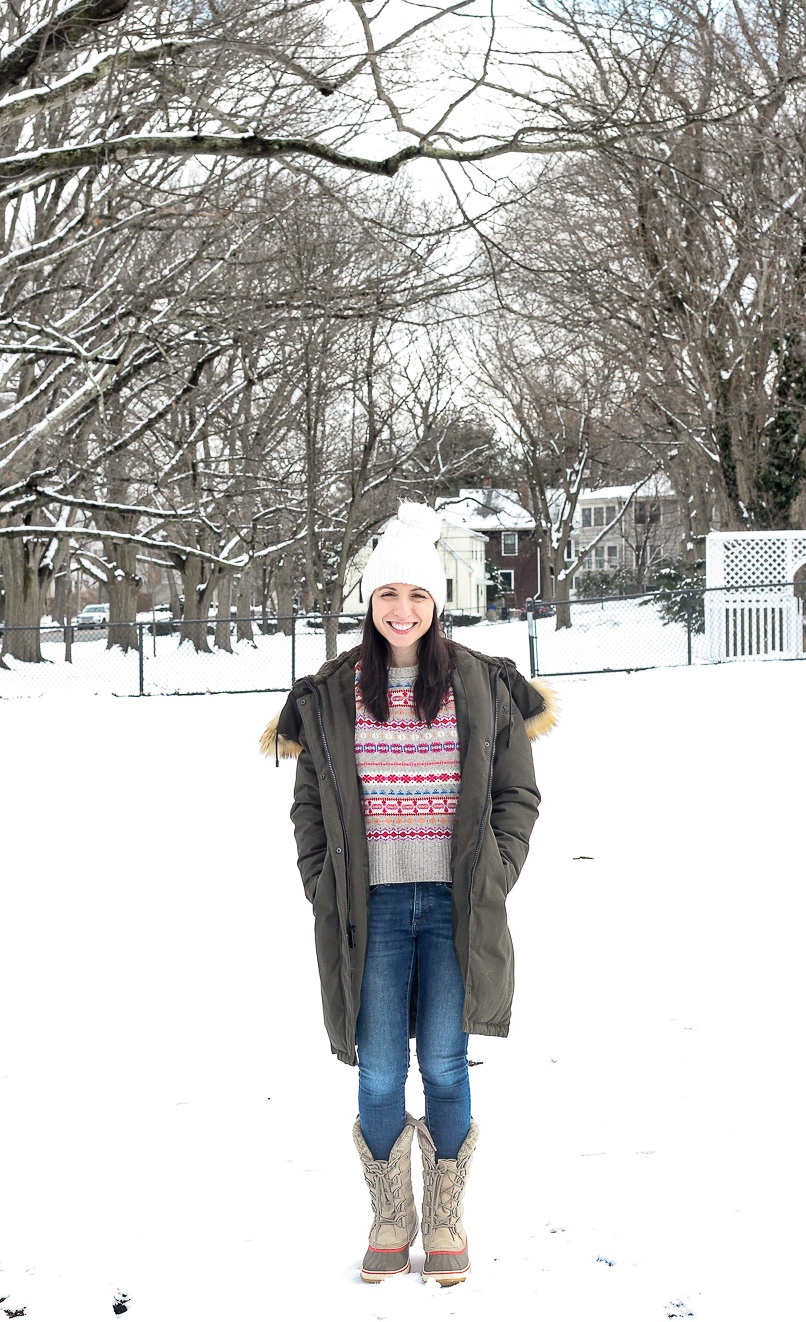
(509,529)
(638,535)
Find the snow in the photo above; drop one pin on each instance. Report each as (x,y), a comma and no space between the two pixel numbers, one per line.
(176,1129)
(627,633)
(487,509)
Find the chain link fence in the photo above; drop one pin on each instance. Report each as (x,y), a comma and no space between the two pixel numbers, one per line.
(148,657)
(154,660)
(671,628)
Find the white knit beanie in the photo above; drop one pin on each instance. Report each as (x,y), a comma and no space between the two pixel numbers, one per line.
(407,554)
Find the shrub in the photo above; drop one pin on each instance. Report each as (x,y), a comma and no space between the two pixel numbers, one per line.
(680,588)
(607,583)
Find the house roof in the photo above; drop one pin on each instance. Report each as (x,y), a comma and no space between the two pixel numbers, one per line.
(659,485)
(487,509)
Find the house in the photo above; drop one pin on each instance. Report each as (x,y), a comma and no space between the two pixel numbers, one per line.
(650,530)
(462,551)
(509,529)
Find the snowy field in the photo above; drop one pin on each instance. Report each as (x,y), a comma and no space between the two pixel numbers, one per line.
(628,634)
(174,1127)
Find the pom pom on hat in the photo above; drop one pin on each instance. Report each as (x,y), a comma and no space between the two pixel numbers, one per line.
(406,553)
(418,518)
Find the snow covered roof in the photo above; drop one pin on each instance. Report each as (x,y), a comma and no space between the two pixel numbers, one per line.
(450,518)
(659,486)
(487,509)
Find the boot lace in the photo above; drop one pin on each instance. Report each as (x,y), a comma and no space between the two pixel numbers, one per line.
(386,1194)
(443,1199)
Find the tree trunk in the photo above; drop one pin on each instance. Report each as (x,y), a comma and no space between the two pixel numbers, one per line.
(21,559)
(243,608)
(223,627)
(122,584)
(284,589)
(544,574)
(331,623)
(60,607)
(561,600)
(198,584)
(173,595)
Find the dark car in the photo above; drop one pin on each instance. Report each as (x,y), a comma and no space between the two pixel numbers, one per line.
(540,610)
(159,620)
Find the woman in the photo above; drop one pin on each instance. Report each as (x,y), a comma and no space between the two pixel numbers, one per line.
(414,801)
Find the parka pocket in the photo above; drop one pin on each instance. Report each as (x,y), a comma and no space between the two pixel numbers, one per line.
(325,884)
(498,874)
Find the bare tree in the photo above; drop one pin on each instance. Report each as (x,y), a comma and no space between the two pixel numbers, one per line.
(678,259)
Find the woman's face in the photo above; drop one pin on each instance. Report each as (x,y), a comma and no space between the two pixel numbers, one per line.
(402,614)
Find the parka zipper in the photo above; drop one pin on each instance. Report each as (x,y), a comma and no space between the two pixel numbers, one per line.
(340,806)
(489,798)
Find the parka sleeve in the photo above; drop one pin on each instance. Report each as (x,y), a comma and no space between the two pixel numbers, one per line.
(515,796)
(309,827)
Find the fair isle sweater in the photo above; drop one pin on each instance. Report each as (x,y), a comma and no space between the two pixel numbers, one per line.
(409,777)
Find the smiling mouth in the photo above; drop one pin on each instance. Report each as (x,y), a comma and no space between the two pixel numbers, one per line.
(402,628)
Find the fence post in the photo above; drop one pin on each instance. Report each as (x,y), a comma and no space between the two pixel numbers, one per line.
(532,644)
(688,624)
(293,647)
(140,650)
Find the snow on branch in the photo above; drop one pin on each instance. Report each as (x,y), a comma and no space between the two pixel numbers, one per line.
(65,27)
(112,534)
(22,104)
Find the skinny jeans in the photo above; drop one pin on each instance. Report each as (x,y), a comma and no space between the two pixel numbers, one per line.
(410,931)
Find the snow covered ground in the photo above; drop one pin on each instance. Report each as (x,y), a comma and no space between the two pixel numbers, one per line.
(173,1127)
(610,635)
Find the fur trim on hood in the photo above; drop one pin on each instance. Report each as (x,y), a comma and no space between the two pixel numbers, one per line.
(274,745)
(545,720)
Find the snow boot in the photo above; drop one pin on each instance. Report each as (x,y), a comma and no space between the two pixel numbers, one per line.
(446,1255)
(395,1225)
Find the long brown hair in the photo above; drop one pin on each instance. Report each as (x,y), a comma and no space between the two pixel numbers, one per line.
(436,658)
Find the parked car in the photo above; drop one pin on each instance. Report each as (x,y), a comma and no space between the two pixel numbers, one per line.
(159,620)
(541,610)
(92,617)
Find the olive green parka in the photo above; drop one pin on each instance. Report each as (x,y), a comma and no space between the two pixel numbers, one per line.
(497,713)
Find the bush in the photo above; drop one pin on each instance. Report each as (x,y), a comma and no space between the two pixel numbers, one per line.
(458,619)
(680,582)
(347,624)
(607,583)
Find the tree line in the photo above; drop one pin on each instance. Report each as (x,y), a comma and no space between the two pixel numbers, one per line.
(267,267)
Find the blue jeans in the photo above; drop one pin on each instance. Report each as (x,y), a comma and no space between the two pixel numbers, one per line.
(410,930)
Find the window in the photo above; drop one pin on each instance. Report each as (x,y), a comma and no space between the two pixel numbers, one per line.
(655,552)
(598,553)
(508,579)
(612,557)
(569,554)
(647,511)
(449,589)
(509,543)
(587,521)
(610,513)
(598,516)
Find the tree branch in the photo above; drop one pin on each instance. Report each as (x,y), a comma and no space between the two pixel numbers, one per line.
(65,27)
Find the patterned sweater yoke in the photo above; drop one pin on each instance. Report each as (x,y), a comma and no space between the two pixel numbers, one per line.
(409,778)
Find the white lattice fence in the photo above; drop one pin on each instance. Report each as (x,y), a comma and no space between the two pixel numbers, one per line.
(751,608)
